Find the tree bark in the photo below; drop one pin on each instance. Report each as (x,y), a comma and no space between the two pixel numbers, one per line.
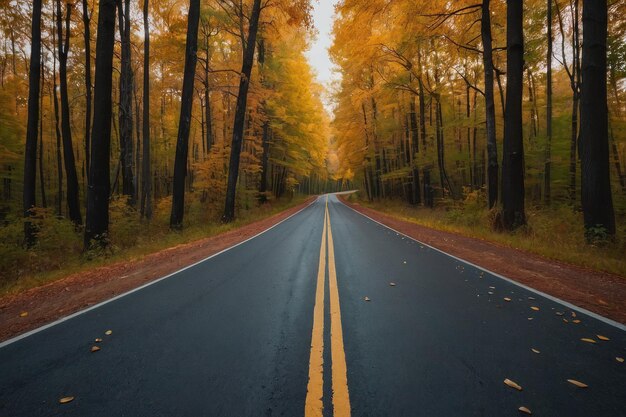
(513,215)
(240,113)
(182,142)
(596,197)
(264,162)
(42,186)
(87,36)
(146,178)
(97,223)
(63,45)
(490,108)
(30,152)
(547,191)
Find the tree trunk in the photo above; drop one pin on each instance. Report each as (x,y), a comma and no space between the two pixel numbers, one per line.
(240,113)
(415,174)
(87,35)
(597,202)
(42,187)
(146,178)
(264,162)
(182,142)
(63,45)
(547,191)
(57,130)
(513,214)
(97,223)
(30,152)
(490,108)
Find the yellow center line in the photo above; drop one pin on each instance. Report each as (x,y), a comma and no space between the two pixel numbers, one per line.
(341,396)
(314,405)
(315,389)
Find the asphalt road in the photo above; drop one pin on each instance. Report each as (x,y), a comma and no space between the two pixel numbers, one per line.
(250,331)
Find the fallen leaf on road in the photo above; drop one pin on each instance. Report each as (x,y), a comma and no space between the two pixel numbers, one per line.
(603,337)
(534,308)
(573,314)
(392,284)
(576,321)
(493,288)
(507,299)
(524,410)
(66,400)
(535,350)
(586,339)
(24,314)
(95,348)
(577,383)
(109,332)
(620,360)
(559,313)
(367,299)
(512,384)
(531,298)
(490,293)
(530,318)
(98,340)
(565,321)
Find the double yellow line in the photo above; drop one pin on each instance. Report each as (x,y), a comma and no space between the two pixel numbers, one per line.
(314,405)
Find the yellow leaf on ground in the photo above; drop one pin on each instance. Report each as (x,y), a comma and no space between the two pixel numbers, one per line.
(534,308)
(98,340)
(565,321)
(66,400)
(24,314)
(507,299)
(109,332)
(586,339)
(620,360)
(95,348)
(603,337)
(535,350)
(559,313)
(524,410)
(576,321)
(512,384)
(367,299)
(573,314)
(577,383)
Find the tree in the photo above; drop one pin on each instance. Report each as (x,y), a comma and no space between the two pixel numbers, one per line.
(97,224)
(88,87)
(240,113)
(596,195)
(182,142)
(513,214)
(30,153)
(63,45)
(547,192)
(490,108)
(146,176)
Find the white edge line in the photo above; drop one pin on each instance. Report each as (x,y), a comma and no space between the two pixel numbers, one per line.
(117,297)
(543,294)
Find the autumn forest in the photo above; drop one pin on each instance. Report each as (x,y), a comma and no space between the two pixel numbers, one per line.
(127,126)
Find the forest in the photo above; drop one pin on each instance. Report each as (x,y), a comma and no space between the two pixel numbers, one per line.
(129,124)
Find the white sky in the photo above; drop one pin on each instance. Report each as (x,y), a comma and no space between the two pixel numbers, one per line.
(323,15)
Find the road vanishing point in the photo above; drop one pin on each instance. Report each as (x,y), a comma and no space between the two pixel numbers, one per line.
(328,313)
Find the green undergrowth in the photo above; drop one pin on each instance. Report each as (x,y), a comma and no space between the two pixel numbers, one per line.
(59,249)
(555,232)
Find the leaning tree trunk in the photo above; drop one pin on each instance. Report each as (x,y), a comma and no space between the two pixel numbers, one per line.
(63,45)
(240,113)
(30,153)
(597,202)
(182,142)
(97,223)
(513,214)
(490,108)
(146,178)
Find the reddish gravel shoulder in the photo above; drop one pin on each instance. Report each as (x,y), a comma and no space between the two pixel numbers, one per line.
(78,291)
(596,291)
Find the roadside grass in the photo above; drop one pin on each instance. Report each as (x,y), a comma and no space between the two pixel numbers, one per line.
(59,249)
(554,233)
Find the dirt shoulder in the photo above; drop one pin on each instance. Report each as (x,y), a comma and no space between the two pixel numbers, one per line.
(600,292)
(78,291)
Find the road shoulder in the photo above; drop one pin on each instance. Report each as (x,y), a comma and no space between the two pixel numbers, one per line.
(82,290)
(596,291)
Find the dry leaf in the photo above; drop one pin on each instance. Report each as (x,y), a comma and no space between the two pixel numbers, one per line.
(24,314)
(603,337)
(573,314)
(66,400)
(493,288)
(95,348)
(577,383)
(531,298)
(98,340)
(367,299)
(512,384)
(392,284)
(559,313)
(586,339)
(490,292)
(535,350)
(565,321)
(620,360)
(534,308)
(109,332)
(524,410)
(576,321)
(530,318)
(507,299)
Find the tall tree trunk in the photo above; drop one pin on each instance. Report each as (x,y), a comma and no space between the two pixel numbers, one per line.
(57,130)
(182,142)
(264,162)
(30,152)
(547,170)
(513,214)
(42,186)
(126,104)
(63,45)
(97,223)
(146,178)
(490,108)
(415,173)
(87,36)
(597,201)
(240,113)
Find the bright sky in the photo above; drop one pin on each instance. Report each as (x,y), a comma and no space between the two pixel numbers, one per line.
(323,15)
